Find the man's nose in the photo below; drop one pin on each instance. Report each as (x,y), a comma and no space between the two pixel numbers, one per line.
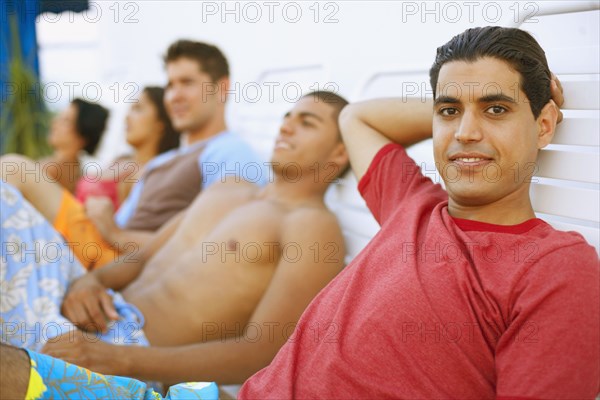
(173,93)
(469,129)
(286,128)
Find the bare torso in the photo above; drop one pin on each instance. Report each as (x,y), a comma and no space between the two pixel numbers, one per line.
(205,282)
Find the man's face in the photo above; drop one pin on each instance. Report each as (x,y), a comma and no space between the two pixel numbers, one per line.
(484,133)
(309,139)
(191,98)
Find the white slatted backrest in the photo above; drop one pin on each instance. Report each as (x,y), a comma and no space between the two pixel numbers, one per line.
(567,189)
(258,120)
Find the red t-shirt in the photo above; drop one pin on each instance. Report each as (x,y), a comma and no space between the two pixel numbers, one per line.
(439,307)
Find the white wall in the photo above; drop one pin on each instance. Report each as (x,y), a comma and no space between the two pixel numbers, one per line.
(117,46)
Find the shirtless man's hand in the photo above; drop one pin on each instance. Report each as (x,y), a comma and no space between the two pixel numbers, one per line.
(85,350)
(87,304)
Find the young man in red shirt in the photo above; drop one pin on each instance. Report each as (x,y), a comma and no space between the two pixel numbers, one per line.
(463,293)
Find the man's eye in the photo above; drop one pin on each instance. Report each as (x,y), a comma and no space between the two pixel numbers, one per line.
(496,110)
(448,111)
(307,123)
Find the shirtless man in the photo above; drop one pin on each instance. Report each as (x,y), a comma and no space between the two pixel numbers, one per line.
(222,285)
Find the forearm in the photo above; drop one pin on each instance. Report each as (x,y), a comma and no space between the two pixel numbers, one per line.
(226,362)
(122,272)
(404,121)
(370,125)
(128,241)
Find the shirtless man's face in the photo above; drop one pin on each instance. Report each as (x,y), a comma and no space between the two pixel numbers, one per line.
(309,138)
(486,139)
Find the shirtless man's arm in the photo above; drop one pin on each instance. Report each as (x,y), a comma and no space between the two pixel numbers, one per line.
(87,302)
(100,211)
(233,359)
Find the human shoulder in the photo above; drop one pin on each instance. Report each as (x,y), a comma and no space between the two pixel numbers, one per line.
(312,223)
(573,251)
(163,158)
(226,143)
(233,185)
(562,259)
(552,243)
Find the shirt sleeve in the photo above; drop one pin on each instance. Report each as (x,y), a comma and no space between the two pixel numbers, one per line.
(228,158)
(551,348)
(394,178)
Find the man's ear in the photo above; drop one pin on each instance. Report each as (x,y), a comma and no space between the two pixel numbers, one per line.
(223,86)
(546,123)
(339,155)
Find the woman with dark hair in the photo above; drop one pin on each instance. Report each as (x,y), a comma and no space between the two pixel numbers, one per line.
(149,132)
(74,135)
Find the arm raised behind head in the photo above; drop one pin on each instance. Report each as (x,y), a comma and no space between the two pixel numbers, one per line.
(370,125)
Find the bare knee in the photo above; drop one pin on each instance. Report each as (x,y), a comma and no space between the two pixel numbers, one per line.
(19,171)
(14,372)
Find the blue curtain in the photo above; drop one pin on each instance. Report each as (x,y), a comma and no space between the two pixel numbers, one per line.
(20,16)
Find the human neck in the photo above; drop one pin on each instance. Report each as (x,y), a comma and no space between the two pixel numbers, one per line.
(66,155)
(145,153)
(510,210)
(293,193)
(208,130)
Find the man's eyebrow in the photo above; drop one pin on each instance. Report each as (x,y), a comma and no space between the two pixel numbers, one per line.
(496,97)
(446,99)
(309,114)
(304,114)
(492,98)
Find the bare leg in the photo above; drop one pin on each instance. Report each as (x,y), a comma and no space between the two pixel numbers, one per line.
(14,372)
(65,379)
(33,182)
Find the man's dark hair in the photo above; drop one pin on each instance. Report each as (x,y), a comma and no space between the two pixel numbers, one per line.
(338,103)
(514,46)
(170,137)
(210,59)
(90,122)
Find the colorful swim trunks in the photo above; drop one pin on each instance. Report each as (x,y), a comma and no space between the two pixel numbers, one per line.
(51,378)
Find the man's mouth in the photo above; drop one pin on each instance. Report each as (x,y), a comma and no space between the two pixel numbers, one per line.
(178,110)
(282,145)
(470,159)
